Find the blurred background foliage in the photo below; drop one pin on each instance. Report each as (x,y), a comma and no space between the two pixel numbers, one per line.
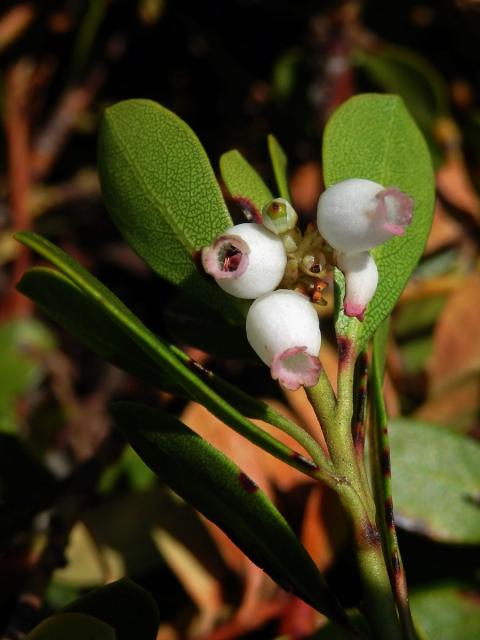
(78,508)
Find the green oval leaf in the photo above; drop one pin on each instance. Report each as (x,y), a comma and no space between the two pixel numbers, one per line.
(161,192)
(74,626)
(214,485)
(373,136)
(436,481)
(124,605)
(244,183)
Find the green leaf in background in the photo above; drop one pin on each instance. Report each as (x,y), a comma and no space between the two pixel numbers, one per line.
(373,136)
(279,163)
(215,486)
(412,77)
(161,192)
(24,343)
(88,321)
(436,481)
(244,183)
(447,612)
(441,612)
(123,605)
(74,626)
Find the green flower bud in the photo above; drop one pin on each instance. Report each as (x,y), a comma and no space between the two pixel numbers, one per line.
(279,216)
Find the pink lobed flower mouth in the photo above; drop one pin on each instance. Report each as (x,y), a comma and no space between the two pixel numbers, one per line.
(227,257)
(295,367)
(394,210)
(354,310)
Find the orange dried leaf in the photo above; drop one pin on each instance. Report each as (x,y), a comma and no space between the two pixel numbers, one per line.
(456,352)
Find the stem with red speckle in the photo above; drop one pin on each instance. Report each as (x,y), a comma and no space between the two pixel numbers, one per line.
(379,604)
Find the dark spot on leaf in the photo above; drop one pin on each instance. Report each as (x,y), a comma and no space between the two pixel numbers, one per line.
(371,536)
(249,210)
(305,462)
(247,483)
(386,462)
(396,566)
(389,513)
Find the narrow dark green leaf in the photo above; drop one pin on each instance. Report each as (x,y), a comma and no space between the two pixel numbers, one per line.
(161,192)
(88,321)
(279,162)
(373,136)
(244,183)
(174,367)
(223,493)
(436,481)
(123,605)
(74,626)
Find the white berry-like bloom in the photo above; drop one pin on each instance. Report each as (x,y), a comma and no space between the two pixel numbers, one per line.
(357,215)
(246,261)
(361,279)
(283,329)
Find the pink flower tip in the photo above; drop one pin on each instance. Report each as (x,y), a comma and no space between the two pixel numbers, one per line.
(227,257)
(395,210)
(295,367)
(354,310)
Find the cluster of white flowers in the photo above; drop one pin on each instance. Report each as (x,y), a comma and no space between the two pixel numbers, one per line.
(249,261)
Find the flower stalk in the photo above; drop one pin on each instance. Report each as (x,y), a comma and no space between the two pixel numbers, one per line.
(378,602)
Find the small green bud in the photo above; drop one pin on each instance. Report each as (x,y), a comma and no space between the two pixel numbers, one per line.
(279,216)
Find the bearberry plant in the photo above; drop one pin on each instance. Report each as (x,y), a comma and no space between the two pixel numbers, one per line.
(271,275)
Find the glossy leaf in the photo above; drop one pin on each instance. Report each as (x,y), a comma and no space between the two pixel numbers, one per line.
(244,183)
(174,364)
(74,626)
(124,605)
(88,321)
(436,481)
(161,192)
(373,136)
(214,485)
(279,162)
